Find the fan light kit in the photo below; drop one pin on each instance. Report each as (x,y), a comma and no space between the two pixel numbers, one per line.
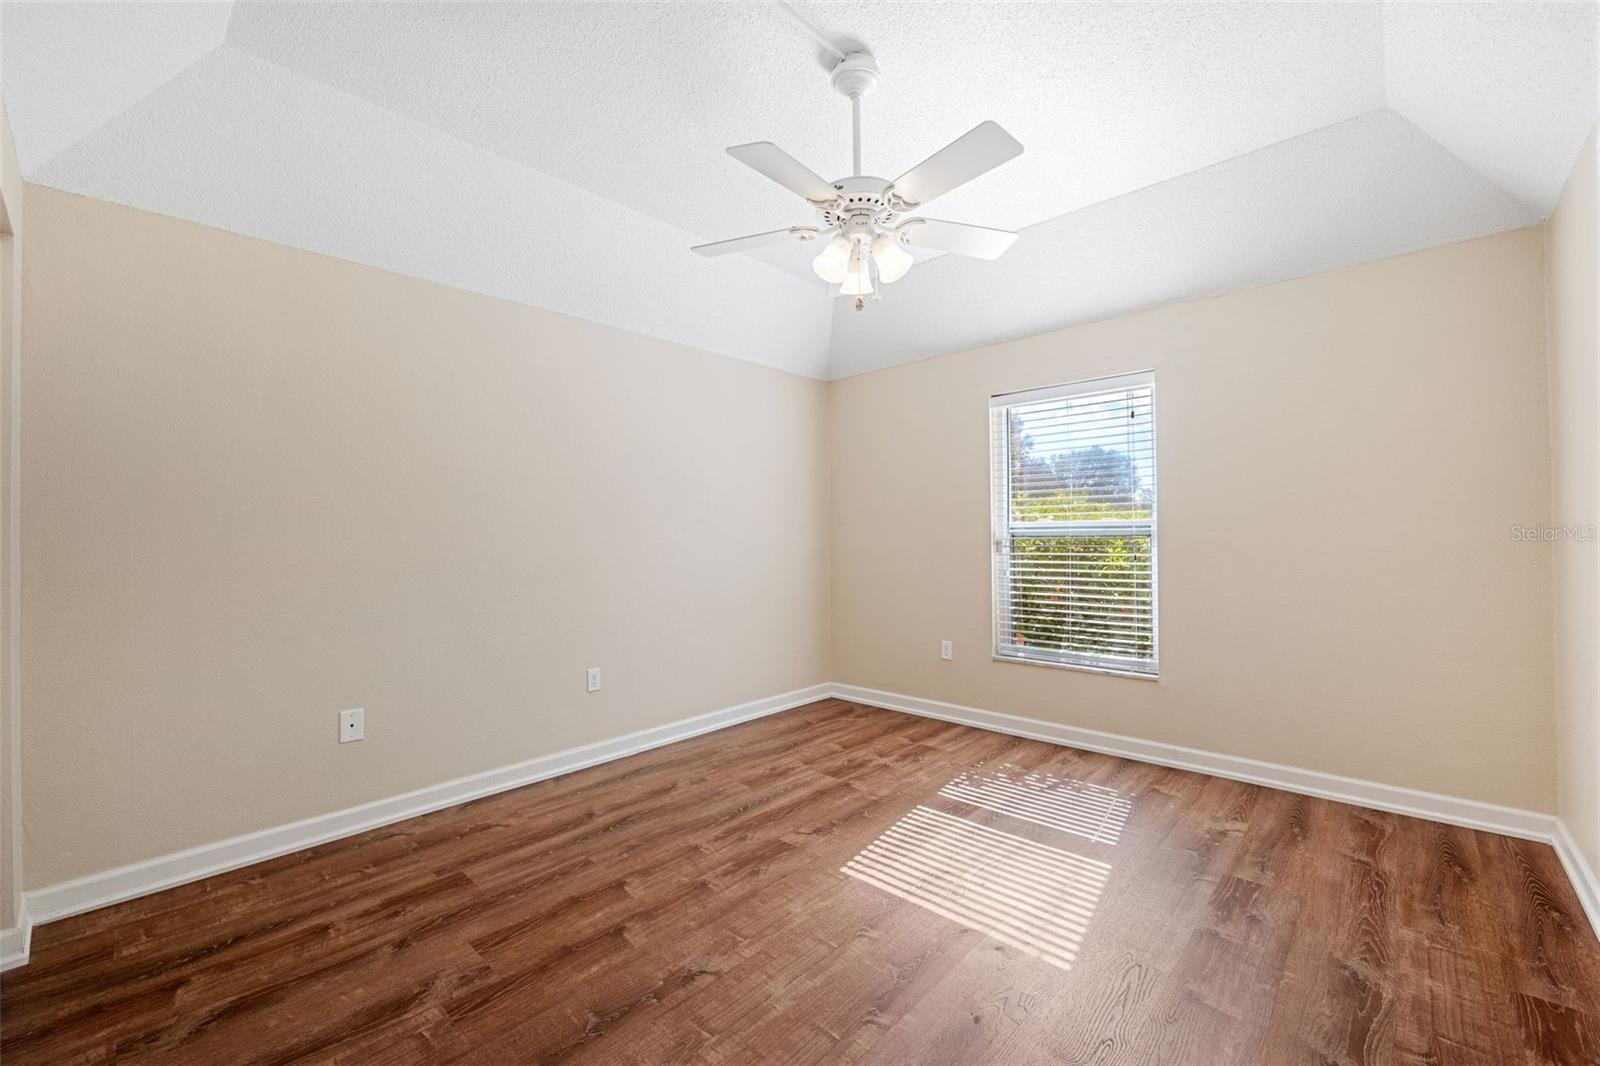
(862,230)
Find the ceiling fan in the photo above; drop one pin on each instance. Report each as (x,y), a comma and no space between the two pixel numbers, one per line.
(862,225)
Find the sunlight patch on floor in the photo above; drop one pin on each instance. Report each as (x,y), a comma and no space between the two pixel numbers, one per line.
(1072,806)
(1033,897)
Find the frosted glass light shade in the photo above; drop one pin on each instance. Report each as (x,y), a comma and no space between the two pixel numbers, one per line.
(893,260)
(833,261)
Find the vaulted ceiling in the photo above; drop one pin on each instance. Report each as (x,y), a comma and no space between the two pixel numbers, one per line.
(566,155)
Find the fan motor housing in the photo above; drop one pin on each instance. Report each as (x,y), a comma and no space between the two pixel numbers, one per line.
(859,195)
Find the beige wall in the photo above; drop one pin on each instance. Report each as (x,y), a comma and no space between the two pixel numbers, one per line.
(1341,460)
(261,486)
(1574,283)
(10,367)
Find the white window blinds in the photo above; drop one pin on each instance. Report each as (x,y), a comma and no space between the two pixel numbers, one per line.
(1074,488)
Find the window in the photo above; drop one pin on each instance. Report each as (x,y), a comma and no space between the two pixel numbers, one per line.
(1074,490)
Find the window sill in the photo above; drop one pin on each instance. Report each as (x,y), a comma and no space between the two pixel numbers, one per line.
(1081,668)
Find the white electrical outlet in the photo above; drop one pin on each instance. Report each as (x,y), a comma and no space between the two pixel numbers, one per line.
(593,679)
(947,649)
(352,725)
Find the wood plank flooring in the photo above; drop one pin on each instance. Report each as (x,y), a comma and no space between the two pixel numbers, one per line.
(844,884)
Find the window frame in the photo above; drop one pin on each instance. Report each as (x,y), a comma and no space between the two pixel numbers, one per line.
(1000,537)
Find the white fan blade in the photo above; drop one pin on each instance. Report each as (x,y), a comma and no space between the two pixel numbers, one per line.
(756,240)
(976,152)
(784,169)
(980,242)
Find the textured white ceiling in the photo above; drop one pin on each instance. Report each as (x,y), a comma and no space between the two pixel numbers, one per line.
(1304,205)
(1504,86)
(74,66)
(331,173)
(637,102)
(565,155)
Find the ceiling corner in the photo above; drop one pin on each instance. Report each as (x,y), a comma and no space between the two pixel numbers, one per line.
(1464,74)
(71,68)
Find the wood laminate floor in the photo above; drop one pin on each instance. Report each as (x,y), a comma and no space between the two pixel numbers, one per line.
(844,884)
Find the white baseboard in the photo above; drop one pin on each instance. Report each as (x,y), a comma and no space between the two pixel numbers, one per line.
(142,878)
(1472,814)
(138,879)
(1585,881)
(1529,825)
(15,939)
